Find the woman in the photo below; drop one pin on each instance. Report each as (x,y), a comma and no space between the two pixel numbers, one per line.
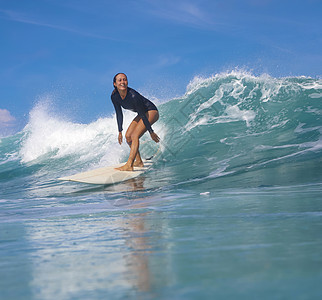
(148,114)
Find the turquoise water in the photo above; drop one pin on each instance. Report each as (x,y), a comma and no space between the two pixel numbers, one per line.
(231,208)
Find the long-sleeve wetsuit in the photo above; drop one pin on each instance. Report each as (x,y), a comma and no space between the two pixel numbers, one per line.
(134,102)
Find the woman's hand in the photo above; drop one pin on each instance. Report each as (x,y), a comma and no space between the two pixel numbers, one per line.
(155,137)
(120,138)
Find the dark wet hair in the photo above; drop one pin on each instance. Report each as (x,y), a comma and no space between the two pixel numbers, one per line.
(114,79)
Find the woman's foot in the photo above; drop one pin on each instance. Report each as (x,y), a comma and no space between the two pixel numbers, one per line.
(126,167)
(138,164)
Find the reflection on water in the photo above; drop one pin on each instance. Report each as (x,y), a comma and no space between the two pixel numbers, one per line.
(76,255)
(136,259)
(131,189)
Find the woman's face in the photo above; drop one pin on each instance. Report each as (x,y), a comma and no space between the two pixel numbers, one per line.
(121,82)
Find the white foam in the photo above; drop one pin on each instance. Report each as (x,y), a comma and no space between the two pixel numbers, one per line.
(312,85)
(236,114)
(199,81)
(315,95)
(264,85)
(48,134)
(205,193)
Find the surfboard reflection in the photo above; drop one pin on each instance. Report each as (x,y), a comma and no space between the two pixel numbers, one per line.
(127,193)
(137,257)
(134,184)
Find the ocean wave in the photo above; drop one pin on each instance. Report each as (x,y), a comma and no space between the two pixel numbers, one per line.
(223,128)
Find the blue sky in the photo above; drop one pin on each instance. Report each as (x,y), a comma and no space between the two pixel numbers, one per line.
(69,50)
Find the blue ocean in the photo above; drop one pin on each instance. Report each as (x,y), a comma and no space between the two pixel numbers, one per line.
(230,209)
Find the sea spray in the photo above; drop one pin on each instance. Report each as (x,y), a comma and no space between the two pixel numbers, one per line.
(49,136)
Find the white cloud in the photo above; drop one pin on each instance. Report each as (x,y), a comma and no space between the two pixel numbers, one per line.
(185,12)
(167,61)
(6,119)
(199,14)
(27,19)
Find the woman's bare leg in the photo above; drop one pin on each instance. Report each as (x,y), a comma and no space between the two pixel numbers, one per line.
(136,131)
(138,160)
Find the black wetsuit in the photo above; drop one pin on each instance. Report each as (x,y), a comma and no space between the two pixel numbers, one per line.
(134,102)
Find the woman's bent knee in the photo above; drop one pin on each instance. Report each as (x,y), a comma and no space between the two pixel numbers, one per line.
(128,139)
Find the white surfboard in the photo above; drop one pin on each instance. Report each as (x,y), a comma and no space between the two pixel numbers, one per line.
(108,175)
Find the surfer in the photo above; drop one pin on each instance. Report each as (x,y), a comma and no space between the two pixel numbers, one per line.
(124,96)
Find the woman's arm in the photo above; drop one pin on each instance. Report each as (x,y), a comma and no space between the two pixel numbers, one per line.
(119,115)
